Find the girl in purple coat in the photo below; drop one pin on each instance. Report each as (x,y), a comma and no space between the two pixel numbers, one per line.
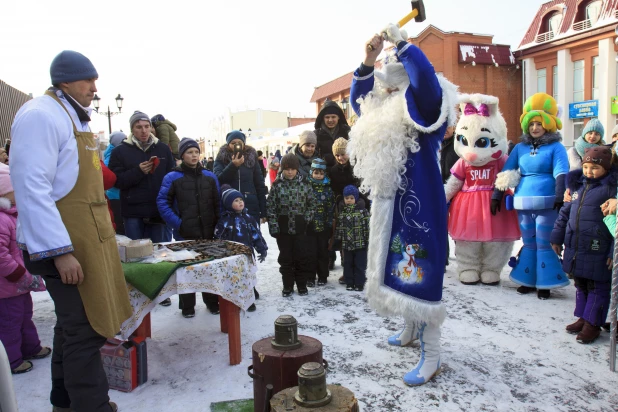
(17,331)
(589,246)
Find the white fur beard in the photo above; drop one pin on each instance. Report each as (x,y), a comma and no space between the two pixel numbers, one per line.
(380,141)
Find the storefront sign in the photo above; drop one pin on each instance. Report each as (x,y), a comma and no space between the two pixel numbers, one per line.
(615,105)
(580,110)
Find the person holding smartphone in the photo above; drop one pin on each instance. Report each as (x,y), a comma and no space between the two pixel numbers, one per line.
(237,165)
(140,163)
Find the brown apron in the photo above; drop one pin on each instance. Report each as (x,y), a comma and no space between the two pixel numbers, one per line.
(86,217)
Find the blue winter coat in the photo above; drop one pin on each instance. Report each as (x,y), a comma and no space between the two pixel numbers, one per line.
(189,202)
(247,179)
(138,191)
(114,192)
(580,227)
(241,228)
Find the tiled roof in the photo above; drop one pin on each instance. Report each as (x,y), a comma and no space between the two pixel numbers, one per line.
(485,54)
(569,8)
(332,87)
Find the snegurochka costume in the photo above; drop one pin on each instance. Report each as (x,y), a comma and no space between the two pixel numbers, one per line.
(537,168)
(404,110)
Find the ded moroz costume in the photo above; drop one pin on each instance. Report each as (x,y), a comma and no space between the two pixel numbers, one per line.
(404,110)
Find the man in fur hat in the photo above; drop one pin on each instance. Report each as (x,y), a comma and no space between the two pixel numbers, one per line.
(406,109)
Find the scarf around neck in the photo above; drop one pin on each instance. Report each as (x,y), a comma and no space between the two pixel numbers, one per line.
(581,145)
(332,132)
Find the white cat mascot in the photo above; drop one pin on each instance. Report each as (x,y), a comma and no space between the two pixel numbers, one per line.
(483,229)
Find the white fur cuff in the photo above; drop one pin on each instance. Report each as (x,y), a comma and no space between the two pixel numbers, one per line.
(507,179)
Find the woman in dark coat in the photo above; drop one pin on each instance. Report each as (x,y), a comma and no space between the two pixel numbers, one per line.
(242,172)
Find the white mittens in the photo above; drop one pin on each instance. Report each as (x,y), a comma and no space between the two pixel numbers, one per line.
(393,35)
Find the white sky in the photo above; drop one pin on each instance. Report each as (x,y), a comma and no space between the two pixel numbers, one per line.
(192,60)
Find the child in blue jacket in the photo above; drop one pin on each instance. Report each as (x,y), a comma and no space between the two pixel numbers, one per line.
(589,246)
(239,226)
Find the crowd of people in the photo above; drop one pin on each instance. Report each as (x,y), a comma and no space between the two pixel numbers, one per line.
(483,191)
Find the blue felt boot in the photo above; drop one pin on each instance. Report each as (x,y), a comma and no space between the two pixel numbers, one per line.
(428,365)
(549,273)
(404,338)
(524,272)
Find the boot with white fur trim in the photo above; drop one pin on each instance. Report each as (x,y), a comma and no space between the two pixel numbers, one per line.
(428,365)
(404,338)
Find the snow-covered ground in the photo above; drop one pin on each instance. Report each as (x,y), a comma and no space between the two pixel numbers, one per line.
(501,352)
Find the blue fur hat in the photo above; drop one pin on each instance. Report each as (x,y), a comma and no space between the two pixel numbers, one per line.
(351,190)
(228,198)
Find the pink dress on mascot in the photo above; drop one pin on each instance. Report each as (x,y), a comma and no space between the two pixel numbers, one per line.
(484,239)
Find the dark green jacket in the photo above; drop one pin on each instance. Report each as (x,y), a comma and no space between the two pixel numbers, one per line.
(290,206)
(166,133)
(325,201)
(353,228)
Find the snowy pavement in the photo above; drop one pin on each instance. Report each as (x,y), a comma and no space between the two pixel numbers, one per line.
(501,352)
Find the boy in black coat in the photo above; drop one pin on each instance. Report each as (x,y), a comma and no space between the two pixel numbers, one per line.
(189,201)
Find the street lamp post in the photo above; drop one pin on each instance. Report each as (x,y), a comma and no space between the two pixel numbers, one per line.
(344,106)
(212,144)
(96,101)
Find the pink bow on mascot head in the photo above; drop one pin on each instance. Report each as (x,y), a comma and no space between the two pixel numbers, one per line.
(483,110)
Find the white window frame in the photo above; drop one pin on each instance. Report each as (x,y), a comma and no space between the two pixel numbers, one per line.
(554,23)
(541,80)
(577,124)
(555,82)
(578,95)
(595,78)
(595,16)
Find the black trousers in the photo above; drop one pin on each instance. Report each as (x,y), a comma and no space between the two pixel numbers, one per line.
(296,260)
(118,220)
(354,267)
(187,300)
(322,254)
(78,378)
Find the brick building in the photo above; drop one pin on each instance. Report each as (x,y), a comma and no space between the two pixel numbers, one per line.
(569,52)
(469,60)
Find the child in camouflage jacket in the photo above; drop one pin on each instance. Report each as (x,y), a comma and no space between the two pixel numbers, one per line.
(290,208)
(353,232)
(320,230)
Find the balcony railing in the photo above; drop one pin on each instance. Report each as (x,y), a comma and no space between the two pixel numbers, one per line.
(582,25)
(543,37)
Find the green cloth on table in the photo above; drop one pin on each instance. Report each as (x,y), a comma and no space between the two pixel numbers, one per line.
(149,278)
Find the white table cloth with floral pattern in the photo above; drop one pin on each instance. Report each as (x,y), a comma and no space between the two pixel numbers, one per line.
(233,278)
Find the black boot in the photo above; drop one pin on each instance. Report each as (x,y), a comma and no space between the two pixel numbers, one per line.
(256,293)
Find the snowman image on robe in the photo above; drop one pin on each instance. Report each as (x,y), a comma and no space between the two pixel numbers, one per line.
(484,233)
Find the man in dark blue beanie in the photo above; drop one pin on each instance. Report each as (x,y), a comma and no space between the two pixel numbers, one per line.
(68,238)
(71,66)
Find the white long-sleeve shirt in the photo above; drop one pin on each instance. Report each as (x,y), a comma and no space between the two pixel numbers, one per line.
(44,168)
